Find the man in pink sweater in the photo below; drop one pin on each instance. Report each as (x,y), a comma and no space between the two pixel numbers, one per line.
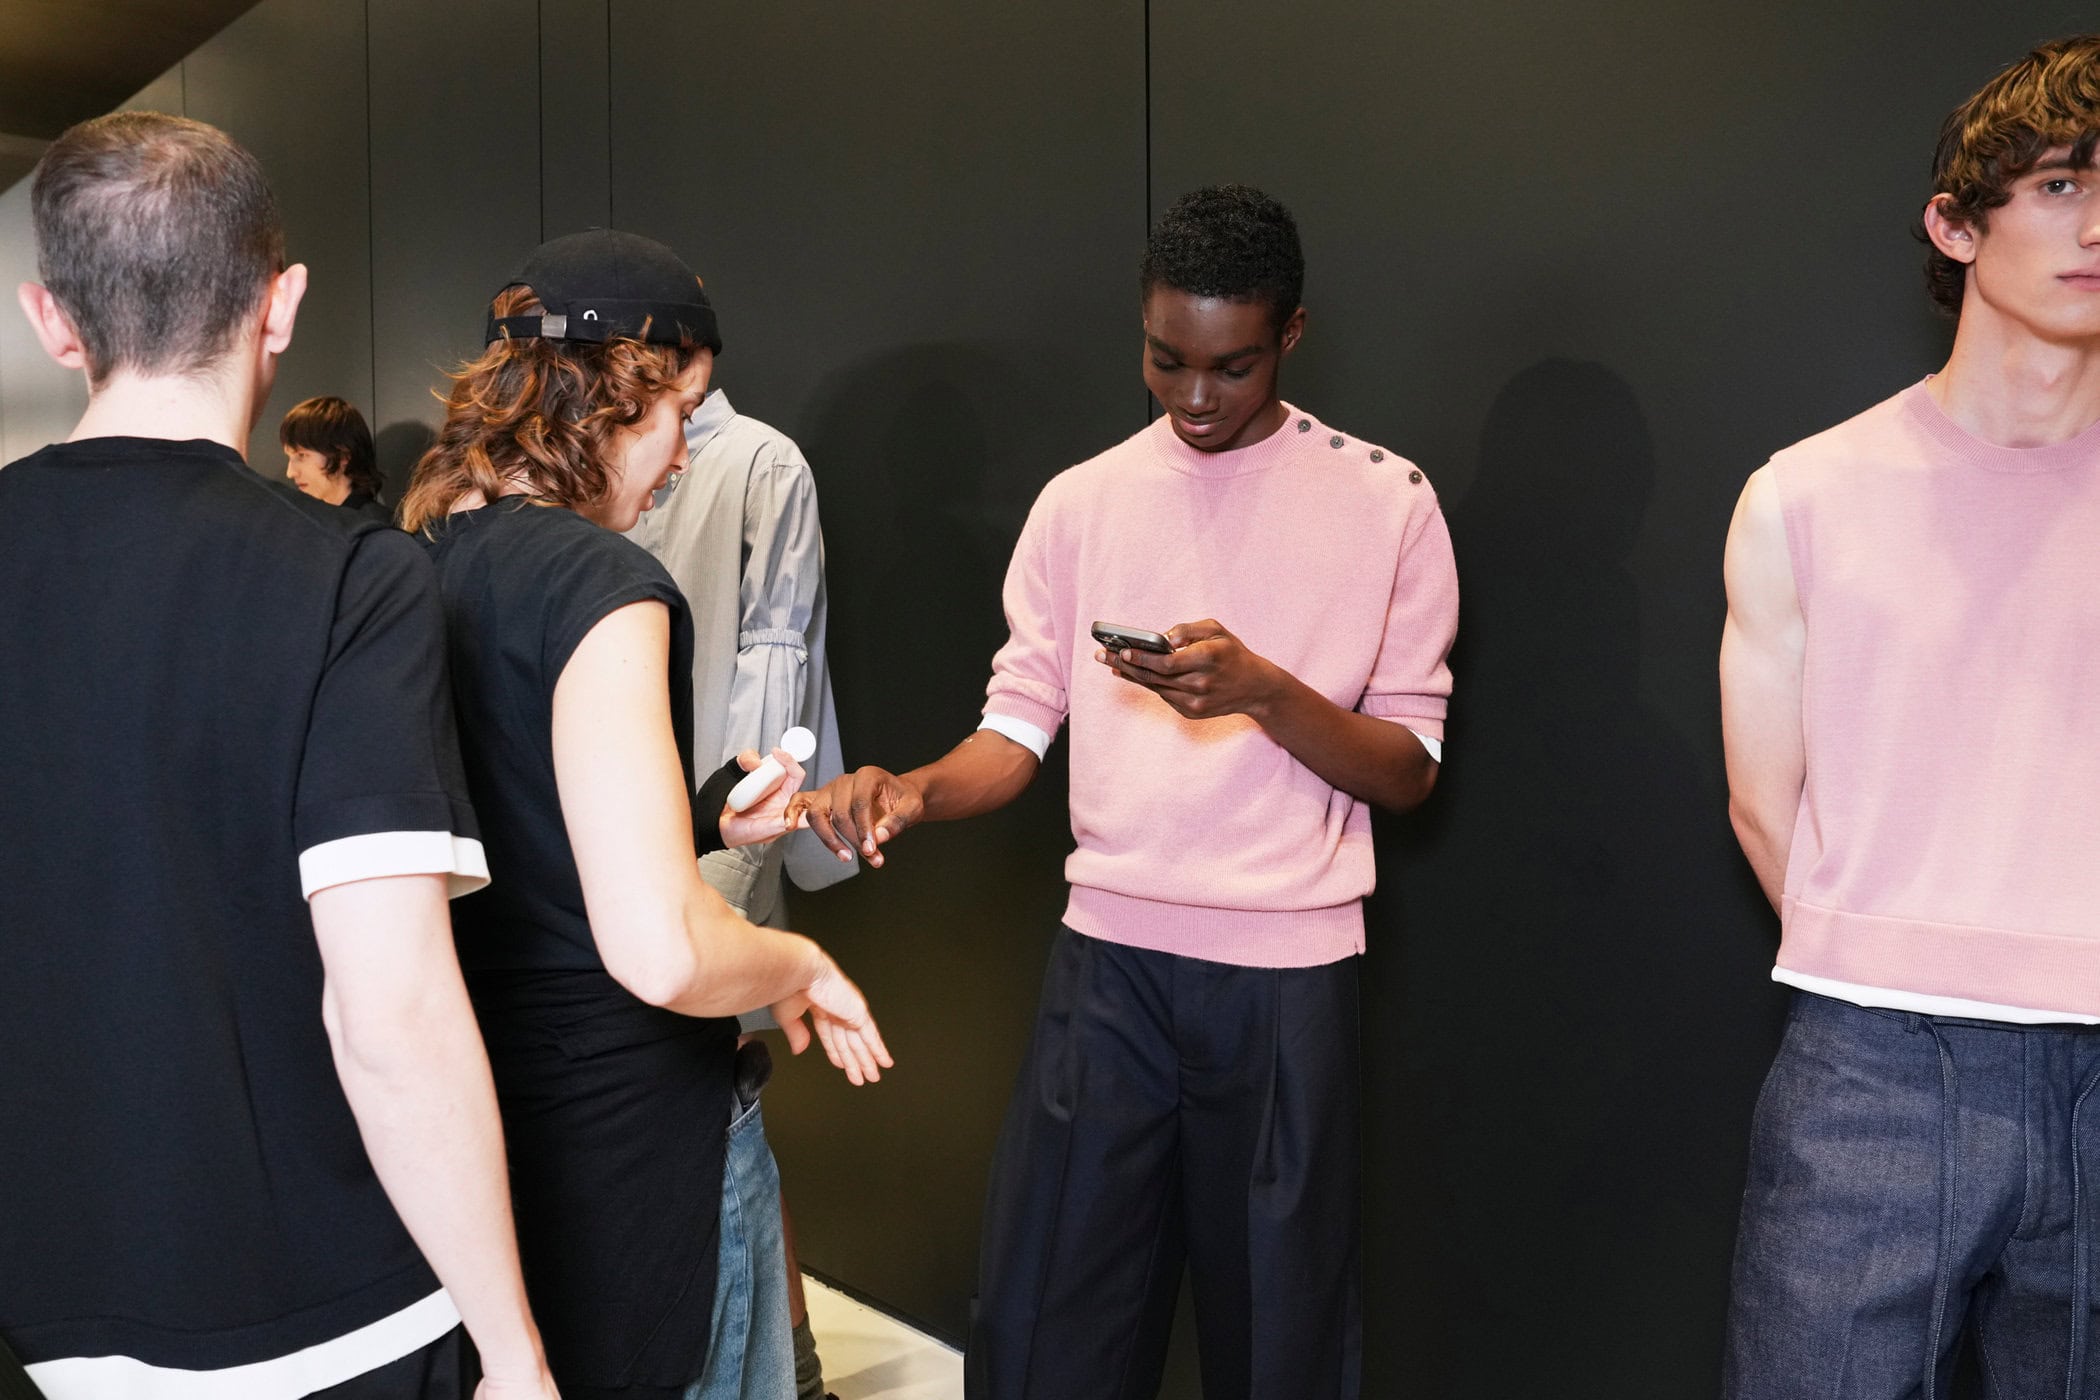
(1909,679)
(1190,1093)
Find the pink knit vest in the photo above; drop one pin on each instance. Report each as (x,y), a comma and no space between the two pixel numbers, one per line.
(1948,838)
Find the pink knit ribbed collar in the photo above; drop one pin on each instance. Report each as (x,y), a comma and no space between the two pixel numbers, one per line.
(1923,410)
(1271,451)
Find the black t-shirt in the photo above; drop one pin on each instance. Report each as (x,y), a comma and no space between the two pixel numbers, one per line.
(216,695)
(364,504)
(614,1111)
(523,584)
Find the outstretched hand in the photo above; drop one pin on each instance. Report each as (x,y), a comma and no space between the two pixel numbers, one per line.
(770,818)
(856,813)
(1209,673)
(840,1014)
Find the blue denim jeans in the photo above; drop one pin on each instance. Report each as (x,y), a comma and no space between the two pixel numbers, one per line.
(1911,1175)
(752,1354)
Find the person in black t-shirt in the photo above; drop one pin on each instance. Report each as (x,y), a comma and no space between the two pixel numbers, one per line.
(328,455)
(605,971)
(236,1053)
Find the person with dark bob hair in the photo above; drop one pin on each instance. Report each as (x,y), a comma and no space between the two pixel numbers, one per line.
(1907,676)
(607,974)
(328,455)
(1243,614)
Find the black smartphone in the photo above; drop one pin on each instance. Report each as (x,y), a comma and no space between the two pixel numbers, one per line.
(1116,637)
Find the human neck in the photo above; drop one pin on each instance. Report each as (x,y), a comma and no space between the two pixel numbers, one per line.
(216,408)
(2006,386)
(336,490)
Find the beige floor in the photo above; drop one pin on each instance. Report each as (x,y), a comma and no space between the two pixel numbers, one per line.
(871,1356)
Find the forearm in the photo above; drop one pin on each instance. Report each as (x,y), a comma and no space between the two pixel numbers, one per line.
(981,774)
(1767,838)
(1376,760)
(425,1105)
(736,965)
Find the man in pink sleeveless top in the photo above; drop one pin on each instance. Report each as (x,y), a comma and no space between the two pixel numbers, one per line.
(1190,1094)
(1910,687)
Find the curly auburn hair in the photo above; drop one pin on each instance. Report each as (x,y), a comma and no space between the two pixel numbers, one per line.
(541,414)
(2050,98)
(1229,241)
(334,428)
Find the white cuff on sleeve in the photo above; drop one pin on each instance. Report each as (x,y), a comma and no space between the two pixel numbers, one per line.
(379,854)
(1435,746)
(1027,735)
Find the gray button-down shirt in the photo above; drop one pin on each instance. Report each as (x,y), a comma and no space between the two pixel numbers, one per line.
(739,533)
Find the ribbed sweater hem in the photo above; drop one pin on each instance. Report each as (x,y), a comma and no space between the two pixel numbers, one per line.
(2006,966)
(1242,937)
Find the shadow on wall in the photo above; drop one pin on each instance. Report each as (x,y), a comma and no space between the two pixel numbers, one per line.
(1583,1045)
(926,459)
(398,446)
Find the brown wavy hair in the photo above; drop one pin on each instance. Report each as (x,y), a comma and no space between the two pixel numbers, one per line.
(2048,99)
(541,413)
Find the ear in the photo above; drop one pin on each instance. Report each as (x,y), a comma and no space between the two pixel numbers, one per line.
(287,289)
(54,329)
(1948,234)
(1293,330)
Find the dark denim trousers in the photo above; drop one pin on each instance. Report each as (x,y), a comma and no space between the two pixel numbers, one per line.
(1910,1175)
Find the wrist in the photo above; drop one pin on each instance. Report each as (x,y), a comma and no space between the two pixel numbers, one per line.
(1273,694)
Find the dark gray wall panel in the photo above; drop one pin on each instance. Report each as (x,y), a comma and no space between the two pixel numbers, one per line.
(1590,265)
(39,402)
(455,194)
(575,117)
(287,80)
(163,94)
(919,228)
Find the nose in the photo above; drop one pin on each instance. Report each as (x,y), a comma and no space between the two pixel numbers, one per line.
(1202,396)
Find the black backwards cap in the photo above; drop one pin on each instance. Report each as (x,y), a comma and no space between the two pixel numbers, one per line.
(605,283)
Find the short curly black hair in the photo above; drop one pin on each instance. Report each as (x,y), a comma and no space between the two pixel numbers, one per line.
(1229,241)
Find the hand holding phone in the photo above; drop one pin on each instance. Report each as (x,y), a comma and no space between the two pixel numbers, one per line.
(1116,637)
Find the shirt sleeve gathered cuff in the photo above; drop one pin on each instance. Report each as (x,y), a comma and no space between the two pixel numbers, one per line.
(1028,736)
(378,854)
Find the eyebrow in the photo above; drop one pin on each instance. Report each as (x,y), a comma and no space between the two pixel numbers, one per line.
(1223,360)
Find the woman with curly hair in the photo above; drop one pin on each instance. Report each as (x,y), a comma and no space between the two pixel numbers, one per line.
(606,974)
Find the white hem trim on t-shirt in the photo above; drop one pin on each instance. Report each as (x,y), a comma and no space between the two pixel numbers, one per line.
(378,854)
(280,1378)
(1888,999)
(1032,738)
(1029,736)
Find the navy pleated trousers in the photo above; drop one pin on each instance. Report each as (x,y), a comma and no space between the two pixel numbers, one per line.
(1174,1111)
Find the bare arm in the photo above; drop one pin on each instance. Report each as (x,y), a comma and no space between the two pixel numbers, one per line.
(1761,653)
(412,1066)
(663,933)
(1211,673)
(864,809)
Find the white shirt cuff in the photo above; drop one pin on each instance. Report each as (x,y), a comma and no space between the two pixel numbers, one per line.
(1028,736)
(378,854)
(1435,746)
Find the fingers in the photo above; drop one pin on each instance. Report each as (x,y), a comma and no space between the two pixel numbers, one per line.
(816,813)
(749,760)
(1183,634)
(858,1050)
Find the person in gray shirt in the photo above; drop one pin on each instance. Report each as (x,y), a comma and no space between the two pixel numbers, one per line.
(738,532)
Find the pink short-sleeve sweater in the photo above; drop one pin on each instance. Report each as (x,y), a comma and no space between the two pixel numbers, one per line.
(1325,554)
